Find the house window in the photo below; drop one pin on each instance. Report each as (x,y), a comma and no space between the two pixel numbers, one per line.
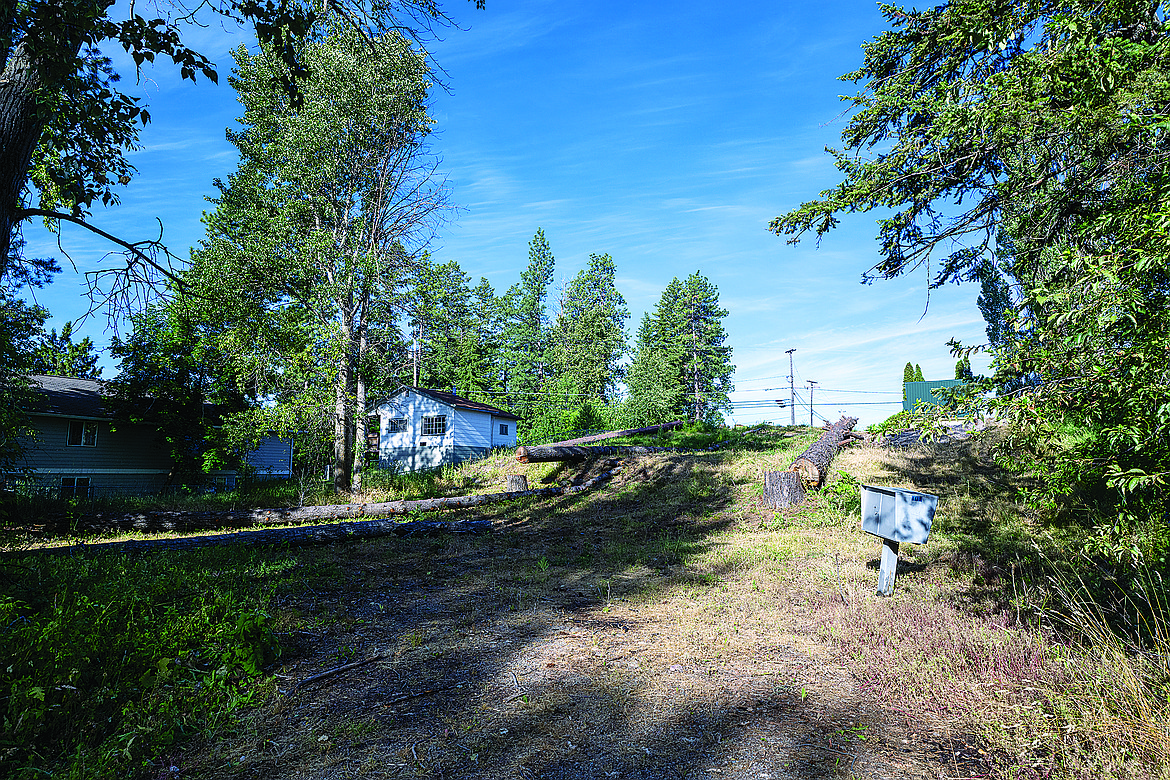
(434,426)
(74,486)
(396,425)
(82,433)
(503,429)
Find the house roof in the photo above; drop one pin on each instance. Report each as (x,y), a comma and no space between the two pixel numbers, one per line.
(450,399)
(68,396)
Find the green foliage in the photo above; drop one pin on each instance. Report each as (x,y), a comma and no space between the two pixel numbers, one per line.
(172,376)
(588,339)
(899,421)
(918,377)
(1067,240)
(682,366)
(68,128)
(60,356)
(311,240)
(525,332)
(111,660)
(19,324)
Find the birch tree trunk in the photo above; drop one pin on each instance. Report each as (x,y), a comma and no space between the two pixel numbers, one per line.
(361,424)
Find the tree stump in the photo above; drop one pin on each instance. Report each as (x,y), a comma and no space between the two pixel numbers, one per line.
(517,482)
(782,489)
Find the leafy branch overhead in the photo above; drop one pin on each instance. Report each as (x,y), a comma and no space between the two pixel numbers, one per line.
(1023,146)
(66,127)
(976,118)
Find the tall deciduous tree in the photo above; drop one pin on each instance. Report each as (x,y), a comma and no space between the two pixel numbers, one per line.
(330,202)
(65,127)
(60,355)
(1032,136)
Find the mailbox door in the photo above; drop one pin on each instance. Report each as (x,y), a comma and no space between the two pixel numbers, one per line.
(877,511)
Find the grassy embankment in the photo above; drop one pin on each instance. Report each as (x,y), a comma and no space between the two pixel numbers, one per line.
(114,663)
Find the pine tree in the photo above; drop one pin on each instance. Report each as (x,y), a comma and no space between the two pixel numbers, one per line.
(907,376)
(651,395)
(588,339)
(59,355)
(684,344)
(963,369)
(525,329)
(918,373)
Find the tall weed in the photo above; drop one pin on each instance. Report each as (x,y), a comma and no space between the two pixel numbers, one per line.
(106,661)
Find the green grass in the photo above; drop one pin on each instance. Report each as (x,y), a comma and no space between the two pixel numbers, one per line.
(109,661)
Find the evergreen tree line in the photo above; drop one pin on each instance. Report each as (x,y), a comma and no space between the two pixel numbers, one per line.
(312,295)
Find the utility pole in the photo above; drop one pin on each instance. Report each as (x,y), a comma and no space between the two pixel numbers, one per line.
(811,386)
(791,386)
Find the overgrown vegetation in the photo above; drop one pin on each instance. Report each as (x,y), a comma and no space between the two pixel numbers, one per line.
(110,662)
(1021,655)
(1065,240)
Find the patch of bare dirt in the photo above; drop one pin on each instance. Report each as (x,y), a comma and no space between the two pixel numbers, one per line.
(576,641)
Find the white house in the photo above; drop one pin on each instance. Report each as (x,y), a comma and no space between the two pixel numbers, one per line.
(421,429)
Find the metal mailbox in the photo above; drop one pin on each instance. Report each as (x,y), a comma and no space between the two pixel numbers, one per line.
(897,514)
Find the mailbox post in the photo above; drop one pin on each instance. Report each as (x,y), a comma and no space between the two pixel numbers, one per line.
(895,515)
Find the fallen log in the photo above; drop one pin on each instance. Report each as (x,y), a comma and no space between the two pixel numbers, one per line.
(262,518)
(813,463)
(616,434)
(548,453)
(782,489)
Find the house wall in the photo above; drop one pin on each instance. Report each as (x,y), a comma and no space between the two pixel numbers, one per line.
(469,434)
(473,429)
(126,458)
(506,440)
(404,449)
(272,458)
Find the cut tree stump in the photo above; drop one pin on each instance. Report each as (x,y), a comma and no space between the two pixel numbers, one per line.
(783,489)
(813,463)
(517,482)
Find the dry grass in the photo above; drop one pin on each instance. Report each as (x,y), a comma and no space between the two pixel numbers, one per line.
(669,625)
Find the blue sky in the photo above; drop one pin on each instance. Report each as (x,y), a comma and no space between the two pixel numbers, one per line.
(664,134)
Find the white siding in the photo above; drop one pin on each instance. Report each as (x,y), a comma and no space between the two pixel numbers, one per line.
(405,448)
(473,429)
(503,440)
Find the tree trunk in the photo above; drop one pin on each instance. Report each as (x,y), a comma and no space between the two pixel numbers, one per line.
(359,407)
(552,453)
(783,489)
(252,518)
(615,434)
(813,463)
(517,482)
(342,422)
(20,129)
